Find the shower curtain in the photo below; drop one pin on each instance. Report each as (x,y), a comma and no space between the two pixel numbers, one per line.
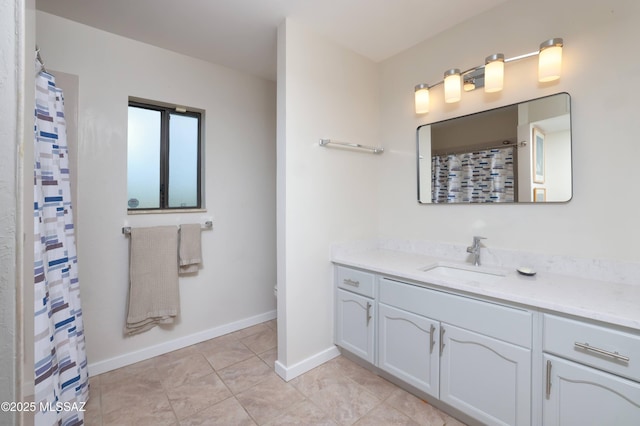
(485,176)
(61,377)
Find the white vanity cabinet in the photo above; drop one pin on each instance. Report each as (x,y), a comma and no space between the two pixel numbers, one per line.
(355,312)
(592,374)
(488,379)
(473,355)
(512,350)
(408,348)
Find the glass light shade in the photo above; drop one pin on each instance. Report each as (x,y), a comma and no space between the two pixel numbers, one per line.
(494,73)
(469,85)
(452,85)
(422,99)
(550,60)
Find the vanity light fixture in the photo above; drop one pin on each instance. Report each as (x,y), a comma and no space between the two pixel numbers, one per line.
(452,84)
(422,98)
(550,60)
(494,73)
(491,74)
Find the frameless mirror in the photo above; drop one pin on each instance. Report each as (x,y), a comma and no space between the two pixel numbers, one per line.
(513,154)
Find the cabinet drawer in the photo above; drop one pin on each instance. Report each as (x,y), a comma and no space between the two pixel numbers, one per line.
(598,346)
(501,322)
(356,281)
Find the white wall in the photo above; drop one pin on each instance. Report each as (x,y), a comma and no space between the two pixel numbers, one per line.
(238,275)
(12,70)
(557,153)
(26,189)
(325,194)
(599,63)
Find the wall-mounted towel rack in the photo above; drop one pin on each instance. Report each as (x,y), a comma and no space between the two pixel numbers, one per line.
(126,230)
(375,150)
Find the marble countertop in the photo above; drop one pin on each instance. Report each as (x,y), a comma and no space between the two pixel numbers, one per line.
(614,303)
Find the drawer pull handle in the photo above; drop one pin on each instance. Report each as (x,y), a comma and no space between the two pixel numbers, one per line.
(432,330)
(351,282)
(548,379)
(614,355)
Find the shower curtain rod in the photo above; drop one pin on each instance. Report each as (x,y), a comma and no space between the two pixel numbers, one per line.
(480,148)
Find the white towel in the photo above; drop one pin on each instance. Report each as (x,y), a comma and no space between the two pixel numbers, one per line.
(190,248)
(153,273)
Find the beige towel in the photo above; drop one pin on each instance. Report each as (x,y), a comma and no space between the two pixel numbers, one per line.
(153,275)
(190,248)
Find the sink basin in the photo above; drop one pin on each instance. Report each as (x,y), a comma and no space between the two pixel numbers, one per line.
(463,272)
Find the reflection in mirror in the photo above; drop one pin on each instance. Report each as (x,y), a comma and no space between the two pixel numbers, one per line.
(513,154)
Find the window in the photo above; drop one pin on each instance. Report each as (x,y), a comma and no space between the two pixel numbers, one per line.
(163,158)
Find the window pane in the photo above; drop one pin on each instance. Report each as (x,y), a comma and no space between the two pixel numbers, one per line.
(183,161)
(143,158)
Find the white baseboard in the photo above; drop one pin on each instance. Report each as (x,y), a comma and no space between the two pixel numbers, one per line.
(172,345)
(288,373)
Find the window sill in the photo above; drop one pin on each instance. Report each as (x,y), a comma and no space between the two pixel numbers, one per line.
(165,211)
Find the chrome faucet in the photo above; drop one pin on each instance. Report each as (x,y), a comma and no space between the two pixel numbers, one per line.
(475,250)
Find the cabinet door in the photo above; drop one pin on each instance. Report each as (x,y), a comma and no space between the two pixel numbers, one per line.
(484,377)
(355,324)
(408,347)
(580,395)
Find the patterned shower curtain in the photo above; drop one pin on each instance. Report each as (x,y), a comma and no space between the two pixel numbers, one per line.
(61,377)
(485,176)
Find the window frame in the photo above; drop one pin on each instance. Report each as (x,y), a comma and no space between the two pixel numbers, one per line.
(166,111)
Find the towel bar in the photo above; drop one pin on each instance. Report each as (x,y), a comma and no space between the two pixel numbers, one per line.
(375,150)
(126,230)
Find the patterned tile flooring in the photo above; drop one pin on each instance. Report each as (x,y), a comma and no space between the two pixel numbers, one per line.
(230,380)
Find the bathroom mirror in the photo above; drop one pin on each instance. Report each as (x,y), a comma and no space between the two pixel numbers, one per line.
(518,153)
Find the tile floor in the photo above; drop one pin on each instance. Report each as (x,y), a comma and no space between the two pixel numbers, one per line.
(230,380)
